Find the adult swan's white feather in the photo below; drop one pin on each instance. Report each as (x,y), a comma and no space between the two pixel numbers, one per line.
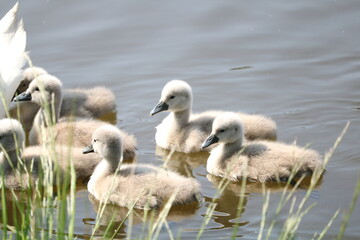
(12,56)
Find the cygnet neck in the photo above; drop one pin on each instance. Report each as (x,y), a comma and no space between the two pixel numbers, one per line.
(11,162)
(233,147)
(113,159)
(54,110)
(181,118)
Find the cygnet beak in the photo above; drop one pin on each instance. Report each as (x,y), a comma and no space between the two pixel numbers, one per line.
(209,141)
(22,97)
(88,149)
(17,92)
(160,107)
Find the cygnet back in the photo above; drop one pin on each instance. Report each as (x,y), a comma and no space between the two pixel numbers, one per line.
(183,131)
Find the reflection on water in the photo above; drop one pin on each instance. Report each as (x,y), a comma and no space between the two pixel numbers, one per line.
(228,202)
(181,162)
(114,219)
(257,187)
(110,117)
(226,210)
(17,204)
(226,213)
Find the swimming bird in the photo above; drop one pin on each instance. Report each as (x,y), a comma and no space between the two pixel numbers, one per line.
(258,160)
(183,131)
(46,91)
(77,102)
(144,185)
(12,57)
(20,175)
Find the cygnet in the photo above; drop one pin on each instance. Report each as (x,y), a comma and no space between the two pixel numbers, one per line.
(46,89)
(258,160)
(141,185)
(12,141)
(183,131)
(94,102)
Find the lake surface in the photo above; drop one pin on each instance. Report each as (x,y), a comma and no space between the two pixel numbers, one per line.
(297,62)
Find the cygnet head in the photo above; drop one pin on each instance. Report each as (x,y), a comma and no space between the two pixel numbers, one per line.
(226,128)
(29,74)
(11,134)
(106,141)
(43,87)
(176,96)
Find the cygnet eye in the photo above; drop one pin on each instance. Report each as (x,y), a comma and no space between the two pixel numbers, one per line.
(172,97)
(222,130)
(95,140)
(36,89)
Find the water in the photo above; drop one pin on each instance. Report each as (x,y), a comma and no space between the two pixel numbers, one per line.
(297,62)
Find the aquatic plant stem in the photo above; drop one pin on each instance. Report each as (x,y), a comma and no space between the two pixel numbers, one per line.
(347,215)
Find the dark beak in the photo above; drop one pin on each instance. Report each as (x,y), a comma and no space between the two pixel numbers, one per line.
(88,149)
(15,94)
(160,107)
(22,97)
(209,141)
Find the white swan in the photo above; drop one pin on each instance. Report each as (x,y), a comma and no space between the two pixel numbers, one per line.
(145,185)
(47,89)
(12,141)
(258,160)
(183,131)
(12,57)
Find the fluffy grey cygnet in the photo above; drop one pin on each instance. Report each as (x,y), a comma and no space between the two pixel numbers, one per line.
(12,141)
(144,185)
(46,89)
(258,160)
(78,102)
(183,131)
